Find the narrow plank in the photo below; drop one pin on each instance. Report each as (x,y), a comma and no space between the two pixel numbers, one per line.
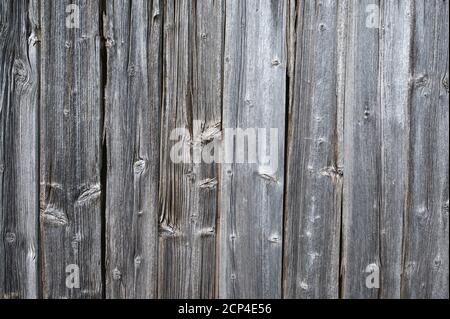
(395,64)
(251,200)
(426,243)
(70,149)
(314,177)
(19,82)
(362,155)
(132,125)
(193,50)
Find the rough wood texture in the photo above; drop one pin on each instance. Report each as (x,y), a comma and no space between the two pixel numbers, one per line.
(395,48)
(193,41)
(314,177)
(251,199)
(395,201)
(132,124)
(426,238)
(19,82)
(356,89)
(362,155)
(70,149)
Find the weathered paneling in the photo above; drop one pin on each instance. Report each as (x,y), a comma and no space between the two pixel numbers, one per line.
(19,81)
(362,154)
(103,100)
(193,41)
(70,148)
(132,133)
(314,178)
(426,238)
(251,198)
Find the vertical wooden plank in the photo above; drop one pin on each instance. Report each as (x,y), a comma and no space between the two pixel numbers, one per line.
(382,234)
(193,41)
(132,125)
(70,148)
(362,154)
(19,80)
(251,201)
(426,243)
(395,63)
(314,177)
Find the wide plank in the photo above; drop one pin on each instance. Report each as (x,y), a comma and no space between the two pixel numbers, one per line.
(19,98)
(251,187)
(314,174)
(426,235)
(192,119)
(132,31)
(70,149)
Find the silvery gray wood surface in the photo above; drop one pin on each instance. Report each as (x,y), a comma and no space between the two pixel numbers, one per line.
(426,235)
(395,63)
(314,174)
(132,31)
(192,71)
(358,90)
(362,155)
(19,83)
(395,211)
(373,223)
(251,196)
(70,150)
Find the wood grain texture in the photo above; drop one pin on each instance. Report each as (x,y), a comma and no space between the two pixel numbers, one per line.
(395,214)
(395,63)
(19,82)
(70,149)
(362,154)
(426,238)
(193,49)
(224,148)
(132,129)
(314,177)
(251,199)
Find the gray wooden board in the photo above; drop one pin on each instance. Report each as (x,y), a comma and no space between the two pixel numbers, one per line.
(132,31)
(70,149)
(362,154)
(395,47)
(193,41)
(251,198)
(314,178)
(19,83)
(426,234)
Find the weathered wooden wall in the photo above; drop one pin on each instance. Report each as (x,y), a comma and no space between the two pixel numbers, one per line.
(357,90)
